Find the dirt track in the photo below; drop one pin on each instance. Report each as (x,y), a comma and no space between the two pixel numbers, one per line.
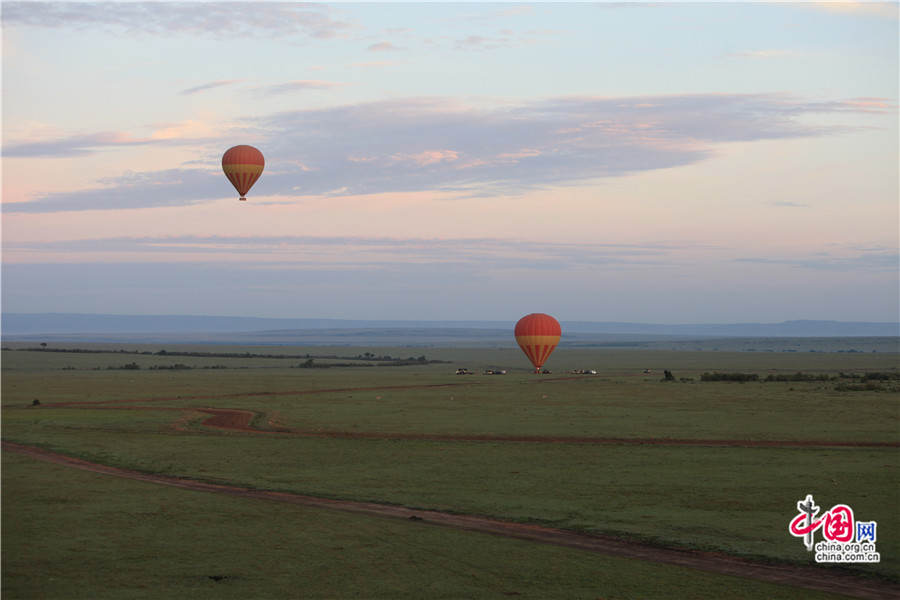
(812,577)
(239,420)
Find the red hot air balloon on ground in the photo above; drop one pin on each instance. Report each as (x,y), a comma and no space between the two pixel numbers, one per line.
(243,165)
(537,335)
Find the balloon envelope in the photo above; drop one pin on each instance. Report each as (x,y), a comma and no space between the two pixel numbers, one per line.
(537,335)
(243,165)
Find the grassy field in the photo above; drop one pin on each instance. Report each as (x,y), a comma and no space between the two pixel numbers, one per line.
(70,534)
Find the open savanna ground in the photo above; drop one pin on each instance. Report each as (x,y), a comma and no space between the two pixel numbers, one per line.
(713,468)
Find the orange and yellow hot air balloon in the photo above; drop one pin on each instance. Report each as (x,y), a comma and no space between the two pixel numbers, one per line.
(243,165)
(537,335)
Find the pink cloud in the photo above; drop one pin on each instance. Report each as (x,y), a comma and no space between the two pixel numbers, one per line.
(383,47)
(429,157)
(524,153)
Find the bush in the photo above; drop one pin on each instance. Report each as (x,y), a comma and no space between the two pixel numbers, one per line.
(740,377)
(798,377)
(128,367)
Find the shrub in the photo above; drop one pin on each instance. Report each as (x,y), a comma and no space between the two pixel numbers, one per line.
(740,377)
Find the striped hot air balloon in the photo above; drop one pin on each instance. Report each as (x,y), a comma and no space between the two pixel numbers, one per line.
(537,335)
(243,165)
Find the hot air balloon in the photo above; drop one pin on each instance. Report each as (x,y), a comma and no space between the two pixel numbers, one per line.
(243,165)
(537,335)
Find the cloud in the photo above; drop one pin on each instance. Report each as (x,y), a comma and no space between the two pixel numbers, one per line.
(171,134)
(851,260)
(487,255)
(428,157)
(208,86)
(130,190)
(440,144)
(292,87)
(71,146)
(383,47)
(889,10)
(217,19)
(871,105)
(375,64)
(478,42)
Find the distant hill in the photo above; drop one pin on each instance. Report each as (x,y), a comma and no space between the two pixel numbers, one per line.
(255,330)
(784,329)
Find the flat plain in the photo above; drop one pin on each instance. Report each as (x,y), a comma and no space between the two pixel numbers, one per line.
(647,450)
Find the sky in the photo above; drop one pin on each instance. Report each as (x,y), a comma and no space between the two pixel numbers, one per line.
(662,163)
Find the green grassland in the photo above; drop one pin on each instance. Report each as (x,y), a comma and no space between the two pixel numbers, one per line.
(80,535)
(730,498)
